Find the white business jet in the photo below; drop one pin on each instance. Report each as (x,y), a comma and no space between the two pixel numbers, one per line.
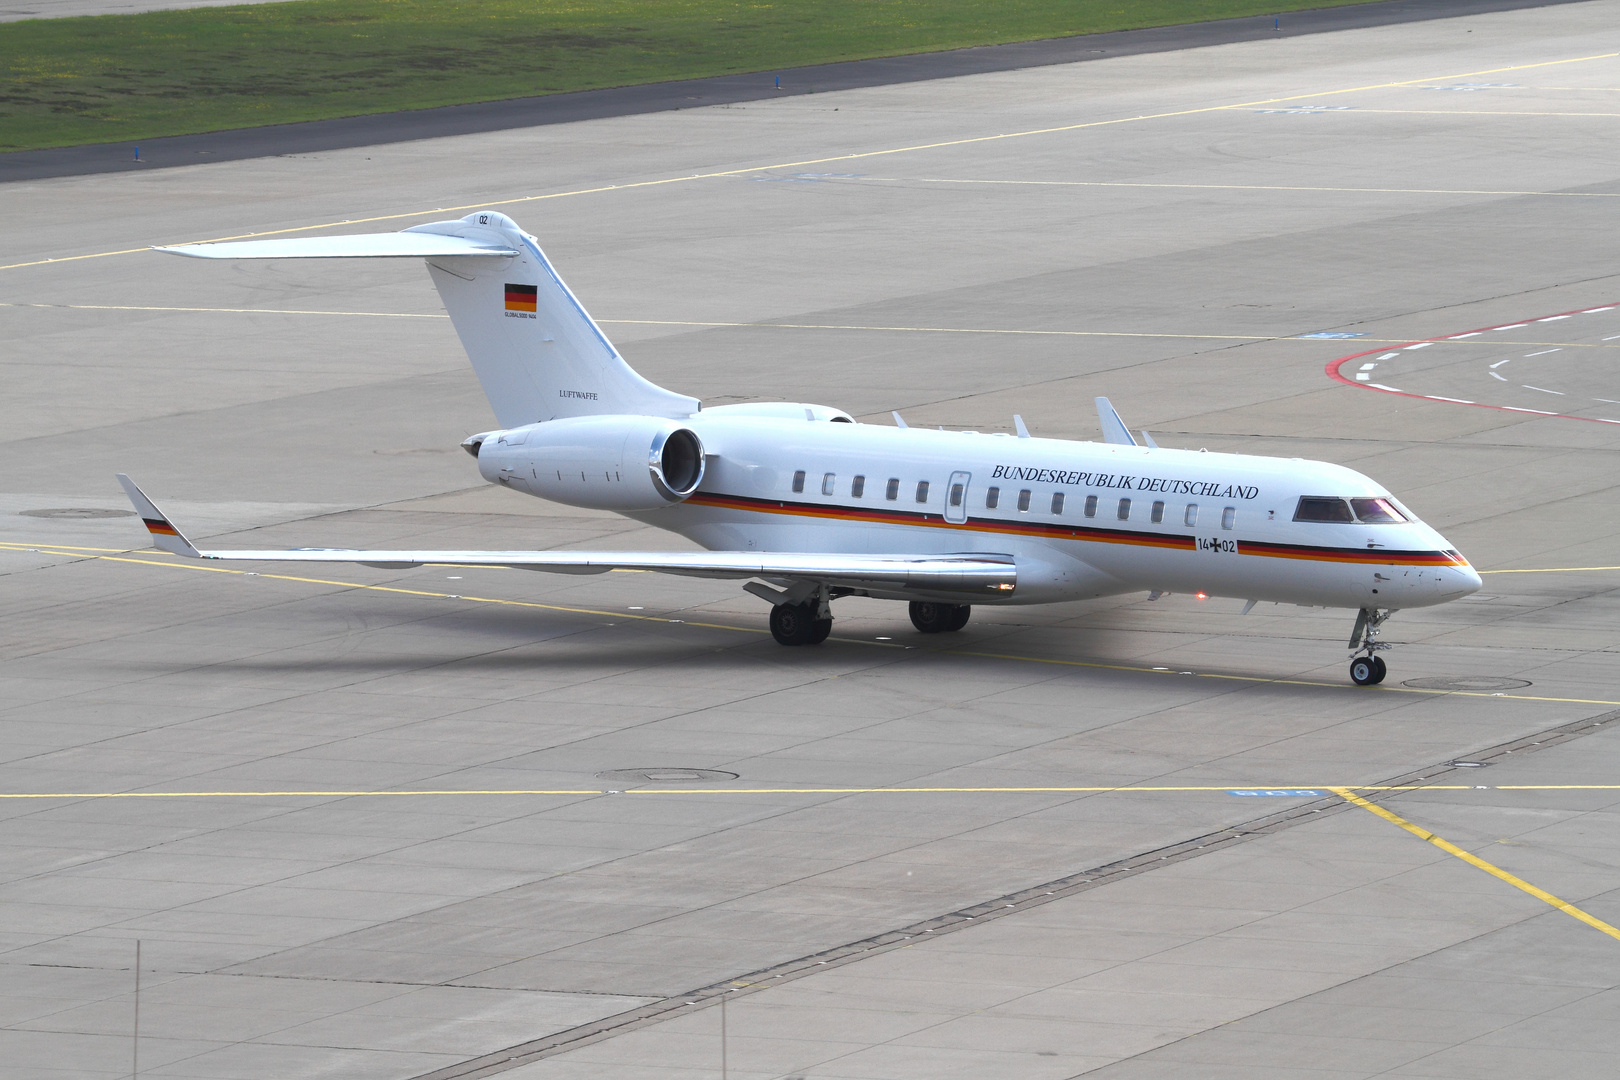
(808,506)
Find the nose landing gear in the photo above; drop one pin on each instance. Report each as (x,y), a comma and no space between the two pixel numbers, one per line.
(1368,670)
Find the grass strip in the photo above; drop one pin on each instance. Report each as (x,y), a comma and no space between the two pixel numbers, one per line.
(110,78)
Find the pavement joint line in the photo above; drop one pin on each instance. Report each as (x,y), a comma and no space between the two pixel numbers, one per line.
(1474,860)
(1033,790)
(1236,187)
(716,323)
(856,156)
(978,914)
(629,617)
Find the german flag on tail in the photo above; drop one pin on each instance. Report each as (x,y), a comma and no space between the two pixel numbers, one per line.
(521,297)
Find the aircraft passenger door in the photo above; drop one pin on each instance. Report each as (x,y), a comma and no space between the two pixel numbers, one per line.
(956,497)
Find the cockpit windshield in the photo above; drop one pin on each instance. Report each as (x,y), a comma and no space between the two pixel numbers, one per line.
(1333,509)
(1377,512)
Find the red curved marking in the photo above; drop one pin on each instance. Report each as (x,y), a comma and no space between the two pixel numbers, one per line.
(1333,372)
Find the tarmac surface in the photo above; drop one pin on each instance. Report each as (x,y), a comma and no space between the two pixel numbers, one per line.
(1178,803)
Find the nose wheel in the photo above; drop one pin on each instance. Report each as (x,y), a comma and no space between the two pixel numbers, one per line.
(1368,669)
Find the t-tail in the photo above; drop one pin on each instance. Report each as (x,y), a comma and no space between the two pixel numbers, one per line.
(537,352)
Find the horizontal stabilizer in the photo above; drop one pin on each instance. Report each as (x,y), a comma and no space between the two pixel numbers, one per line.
(1113,428)
(395,245)
(967,574)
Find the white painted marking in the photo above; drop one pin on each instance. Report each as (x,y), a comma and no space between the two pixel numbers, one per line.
(1419,345)
(1513,326)
(1607,401)
(1437,397)
(1362,376)
(1553,318)
(1601,420)
(1368,367)
(1459,337)
(1499,363)
(1612,337)
(1494,375)
(1560,393)
(1391,389)
(1389,356)
(1543,352)
(1538,412)
(1595,310)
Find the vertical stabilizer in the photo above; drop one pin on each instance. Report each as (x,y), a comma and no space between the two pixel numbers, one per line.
(537,353)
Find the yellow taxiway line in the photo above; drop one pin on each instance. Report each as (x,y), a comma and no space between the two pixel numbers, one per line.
(128,557)
(1474,860)
(856,156)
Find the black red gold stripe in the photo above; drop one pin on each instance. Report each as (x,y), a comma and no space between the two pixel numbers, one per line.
(1369,556)
(521,297)
(1089,534)
(159,527)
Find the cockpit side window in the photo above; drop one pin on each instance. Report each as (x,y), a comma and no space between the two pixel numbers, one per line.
(1377,512)
(1322,508)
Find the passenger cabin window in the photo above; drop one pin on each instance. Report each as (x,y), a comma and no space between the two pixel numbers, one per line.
(1157,517)
(1228,517)
(1124,509)
(1023,501)
(1322,508)
(956,494)
(922,491)
(892,492)
(1091,506)
(857,487)
(827,482)
(1191,516)
(1057,502)
(992,496)
(1376,512)
(798,482)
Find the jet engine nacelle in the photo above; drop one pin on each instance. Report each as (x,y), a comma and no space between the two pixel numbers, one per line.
(603,462)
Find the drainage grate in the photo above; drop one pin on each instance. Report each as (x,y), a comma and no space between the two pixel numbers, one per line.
(76,512)
(1475,683)
(665,776)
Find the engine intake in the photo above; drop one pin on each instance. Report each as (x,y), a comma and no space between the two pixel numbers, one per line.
(676,463)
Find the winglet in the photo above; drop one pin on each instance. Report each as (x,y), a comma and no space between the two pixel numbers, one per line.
(164,535)
(1113,428)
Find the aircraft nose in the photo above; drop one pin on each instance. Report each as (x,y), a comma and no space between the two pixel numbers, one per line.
(1458,581)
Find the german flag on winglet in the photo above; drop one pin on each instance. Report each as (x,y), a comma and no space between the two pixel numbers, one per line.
(159,527)
(520,297)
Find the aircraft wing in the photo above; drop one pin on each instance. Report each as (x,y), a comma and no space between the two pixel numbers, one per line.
(980,574)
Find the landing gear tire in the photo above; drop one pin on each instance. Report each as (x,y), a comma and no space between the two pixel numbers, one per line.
(796,624)
(1364,671)
(1380,669)
(932,618)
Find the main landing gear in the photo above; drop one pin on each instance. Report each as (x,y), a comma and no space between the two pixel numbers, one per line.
(800,624)
(1369,669)
(933,618)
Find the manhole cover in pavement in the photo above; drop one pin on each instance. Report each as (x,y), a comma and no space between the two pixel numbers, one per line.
(77,512)
(664,776)
(1475,683)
